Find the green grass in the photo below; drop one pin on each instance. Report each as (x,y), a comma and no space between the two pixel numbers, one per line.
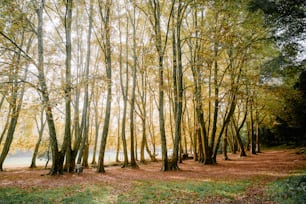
(141,192)
(73,194)
(288,190)
(181,191)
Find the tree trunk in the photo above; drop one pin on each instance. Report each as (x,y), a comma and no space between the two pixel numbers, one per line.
(124,91)
(40,130)
(118,135)
(85,123)
(10,132)
(224,127)
(156,24)
(85,154)
(97,127)
(55,168)
(257,140)
(165,166)
(132,110)
(107,48)
(178,89)
(152,135)
(204,149)
(237,131)
(7,122)
(225,157)
(216,104)
(251,130)
(143,143)
(17,98)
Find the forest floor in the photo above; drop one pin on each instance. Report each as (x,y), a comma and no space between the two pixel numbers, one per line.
(238,180)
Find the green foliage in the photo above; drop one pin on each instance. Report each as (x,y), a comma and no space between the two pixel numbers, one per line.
(182,192)
(288,190)
(73,194)
(287,16)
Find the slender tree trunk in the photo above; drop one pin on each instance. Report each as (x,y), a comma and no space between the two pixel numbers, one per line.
(237,131)
(124,91)
(205,153)
(151,133)
(55,168)
(143,141)
(84,124)
(225,125)
(132,110)
(216,102)
(85,154)
(2,100)
(97,127)
(17,98)
(156,24)
(118,134)
(257,140)
(16,107)
(178,90)
(225,157)
(107,48)
(251,130)
(40,130)
(7,122)
(66,146)
(204,149)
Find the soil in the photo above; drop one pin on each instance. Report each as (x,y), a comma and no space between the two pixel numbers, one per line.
(270,165)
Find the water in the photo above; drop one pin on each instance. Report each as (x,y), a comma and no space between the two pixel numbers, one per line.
(24,158)
(21,159)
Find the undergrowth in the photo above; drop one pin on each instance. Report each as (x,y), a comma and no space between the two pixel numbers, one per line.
(182,192)
(288,190)
(72,194)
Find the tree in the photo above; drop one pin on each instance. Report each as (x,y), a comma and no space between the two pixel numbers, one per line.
(134,72)
(155,20)
(40,125)
(178,83)
(85,114)
(124,91)
(104,10)
(67,87)
(16,97)
(56,163)
(286,20)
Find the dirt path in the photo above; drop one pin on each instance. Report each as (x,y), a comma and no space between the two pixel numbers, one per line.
(270,164)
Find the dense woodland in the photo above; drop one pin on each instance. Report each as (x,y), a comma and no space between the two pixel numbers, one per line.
(166,79)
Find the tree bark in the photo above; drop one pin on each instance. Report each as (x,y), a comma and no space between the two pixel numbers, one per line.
(257,140)
(156,24)
(107,54)
(178,88)
(16,98)
(124,91)
(225,157)
(237,131)
(16,107)
(132,110)
(85,122)
(40,130)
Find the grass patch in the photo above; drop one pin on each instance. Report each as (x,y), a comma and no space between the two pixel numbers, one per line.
(288,190)
(72,194)
(182,191)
